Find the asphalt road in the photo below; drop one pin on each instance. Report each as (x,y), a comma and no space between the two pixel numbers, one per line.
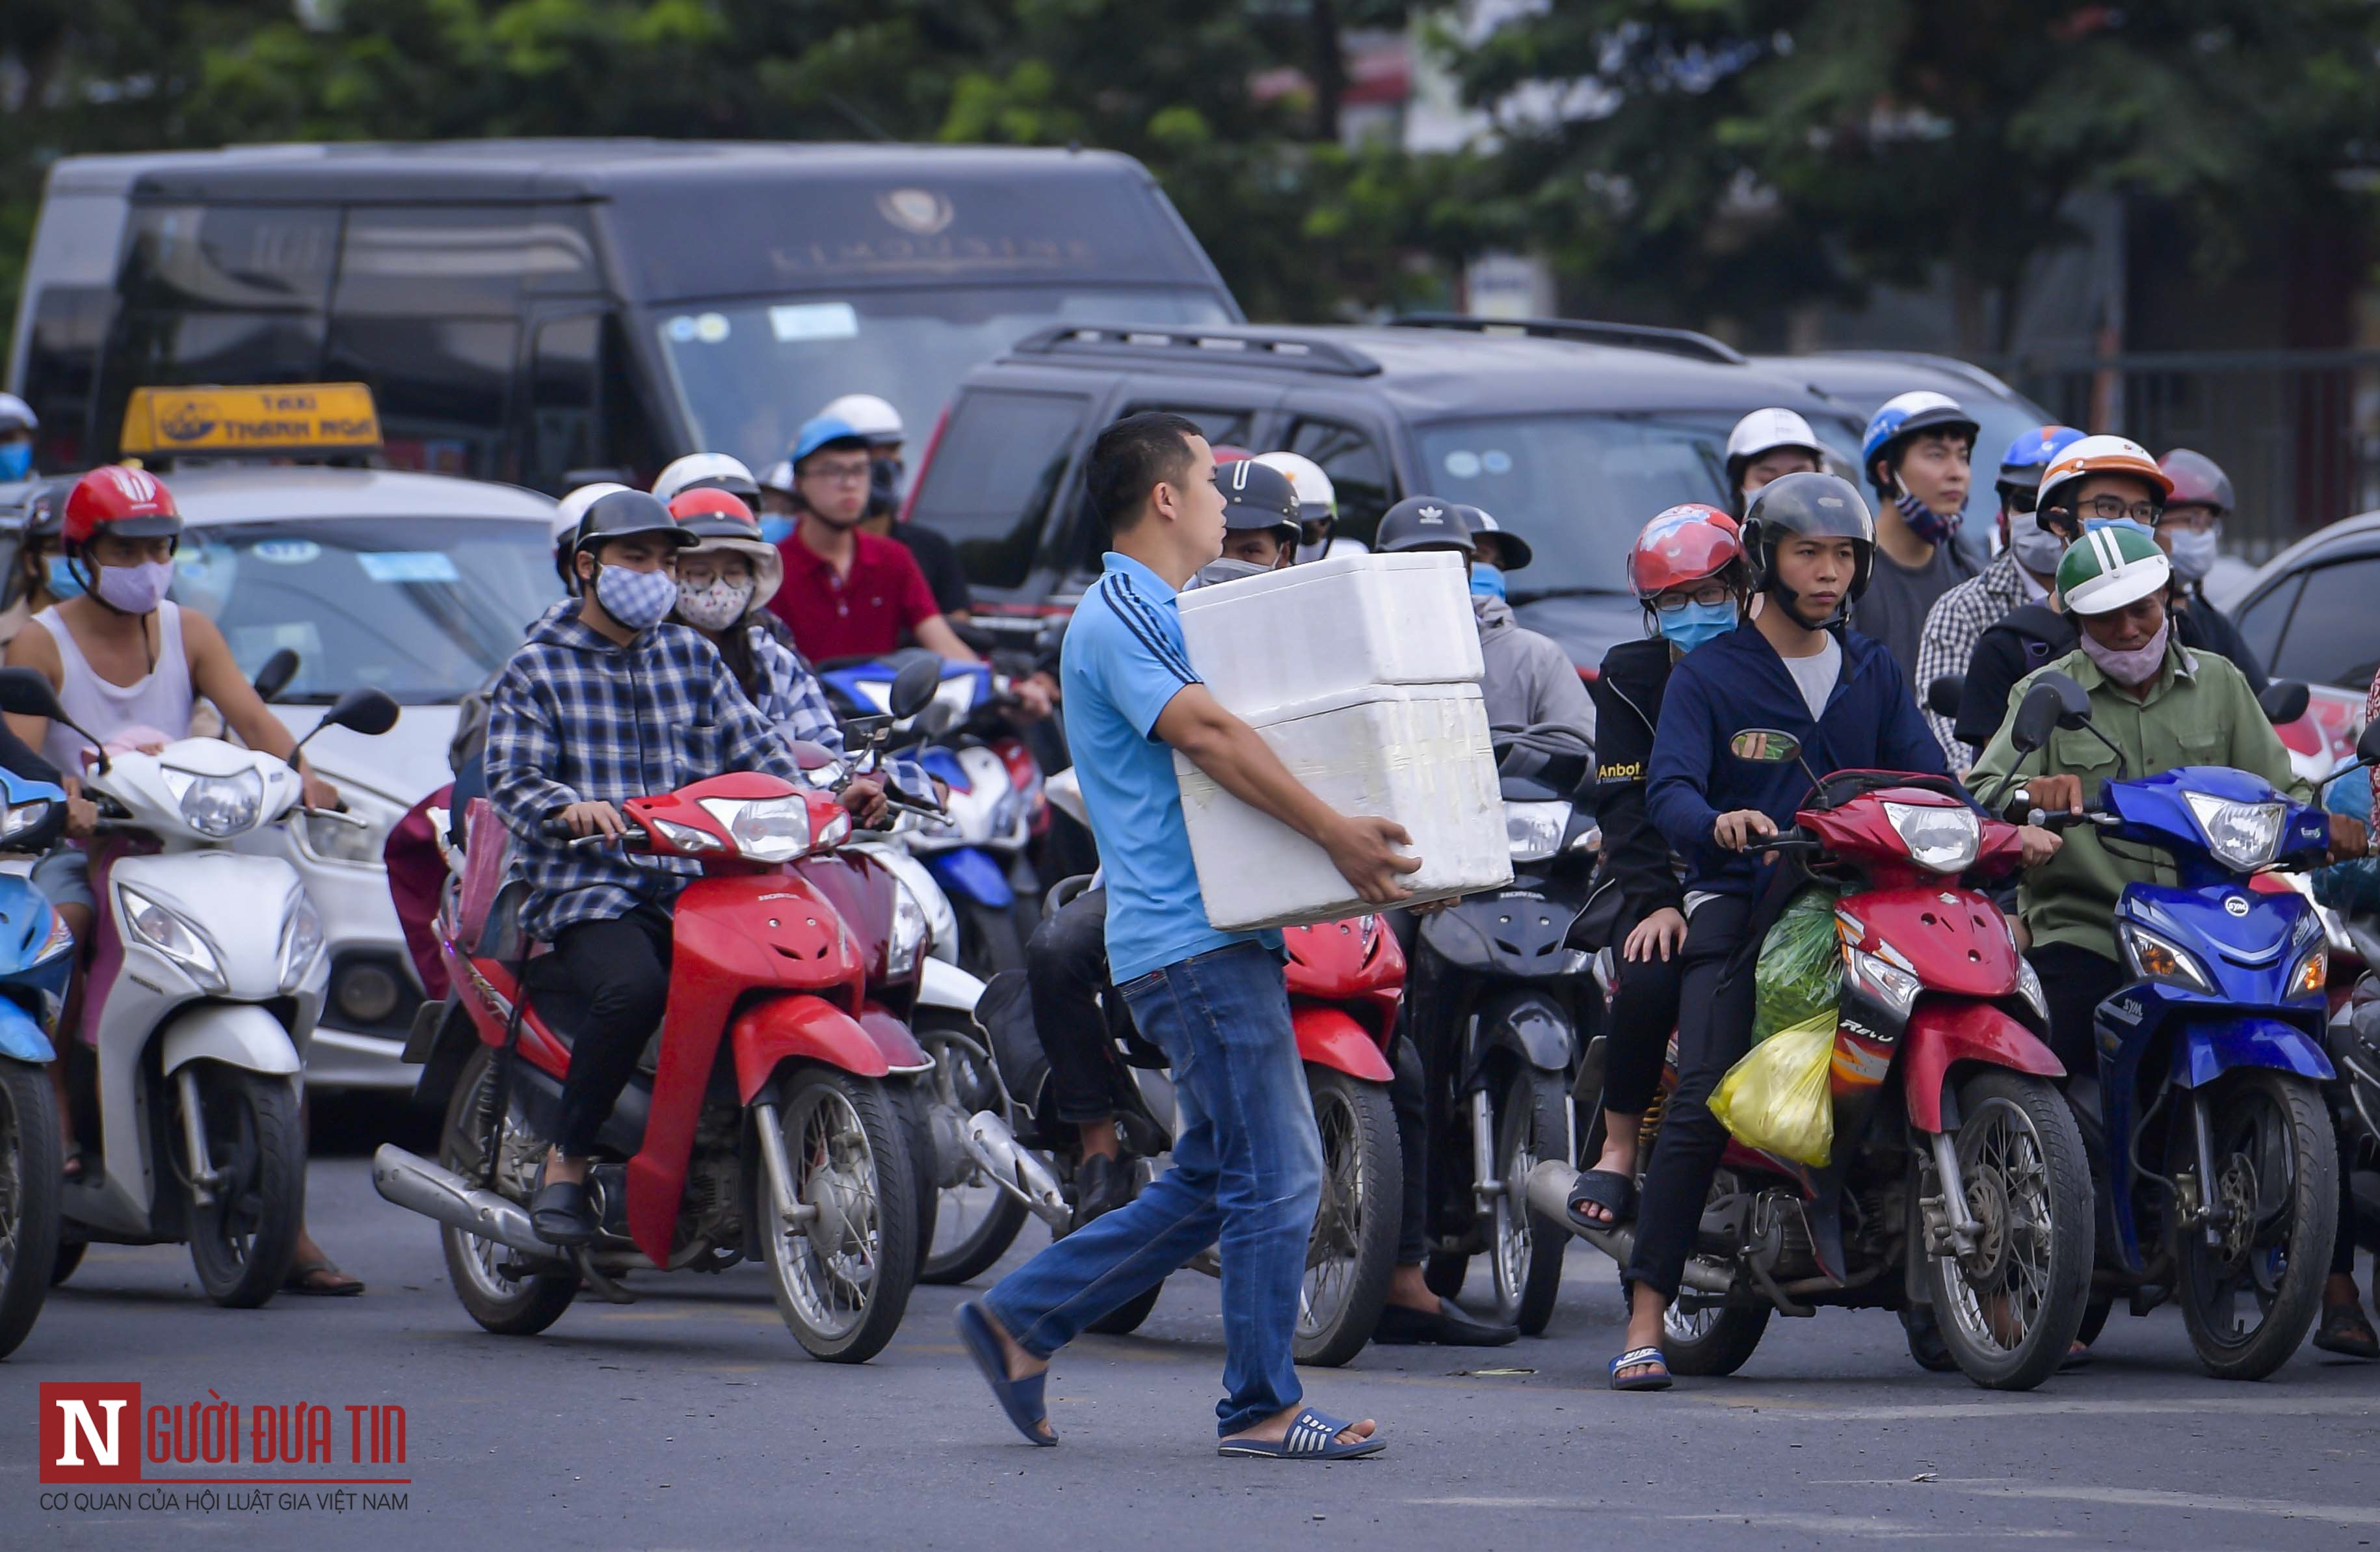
(691,1420)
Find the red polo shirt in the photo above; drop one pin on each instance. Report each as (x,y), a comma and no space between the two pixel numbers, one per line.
(859,616)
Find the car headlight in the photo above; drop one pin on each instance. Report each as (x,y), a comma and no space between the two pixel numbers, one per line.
(2028,985)
(172,935)
(765,829)
(2156,957)
(301,940)
(1890,985)
(1945,839)
(2244,835)
(1534,831)
(910,935)
(20,818)
(217,805)
(2311,974)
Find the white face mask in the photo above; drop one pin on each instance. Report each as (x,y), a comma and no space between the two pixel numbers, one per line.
(135,589)
(2037,550)
(715,604)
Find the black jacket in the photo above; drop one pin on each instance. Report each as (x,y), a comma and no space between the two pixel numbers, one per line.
(2205,627)
(1627,706)
(2031,635)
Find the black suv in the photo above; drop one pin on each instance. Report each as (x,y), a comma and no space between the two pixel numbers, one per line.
(1570,432)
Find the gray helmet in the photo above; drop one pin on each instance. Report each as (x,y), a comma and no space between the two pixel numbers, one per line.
(1808,505)
(1423,522)
(1257,497)
(624,512)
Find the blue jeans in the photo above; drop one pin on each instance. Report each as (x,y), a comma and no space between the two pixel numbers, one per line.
(1246,1174)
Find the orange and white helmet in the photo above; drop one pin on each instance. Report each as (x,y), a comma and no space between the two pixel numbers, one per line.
(2100,455)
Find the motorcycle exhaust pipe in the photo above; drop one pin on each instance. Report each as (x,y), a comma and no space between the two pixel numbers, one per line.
(1015,1170)
(414,1183)
(1550,1187)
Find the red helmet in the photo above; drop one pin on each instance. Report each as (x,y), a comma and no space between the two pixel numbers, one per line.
(713,512)
(114,498)
(1686,543)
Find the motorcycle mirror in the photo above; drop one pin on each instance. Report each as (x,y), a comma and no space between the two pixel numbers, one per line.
(1765,746)
(2367,748)
(24,693)
(366,711)
(2073,701)
(275,676)
(2037,717)
(914,686)
(2285,700)
(1942,697)
(936,719)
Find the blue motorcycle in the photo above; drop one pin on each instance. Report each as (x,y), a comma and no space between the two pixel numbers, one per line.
(2219,1183)
(36,963)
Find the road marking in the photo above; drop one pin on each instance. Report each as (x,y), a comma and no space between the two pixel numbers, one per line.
(2193,1406)
(2142,1498)
(1816,1524)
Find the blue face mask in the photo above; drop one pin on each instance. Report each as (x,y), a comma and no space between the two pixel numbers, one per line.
(1486,581)
(1696,623)
(776,527)
(16,460)
(64,583)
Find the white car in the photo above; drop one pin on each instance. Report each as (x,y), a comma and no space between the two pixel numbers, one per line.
(417,584)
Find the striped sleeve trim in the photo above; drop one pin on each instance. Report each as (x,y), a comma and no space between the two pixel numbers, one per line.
(1141,620)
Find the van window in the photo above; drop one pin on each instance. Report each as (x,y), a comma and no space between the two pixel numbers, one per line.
(565,403)
(70,296)
(461,261)
(1358,470)
(441,385)
(237,257)
(997,464)
(1221,428)
(166,349)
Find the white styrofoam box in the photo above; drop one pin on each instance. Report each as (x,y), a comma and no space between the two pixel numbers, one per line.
(1417,754)
(1338,623)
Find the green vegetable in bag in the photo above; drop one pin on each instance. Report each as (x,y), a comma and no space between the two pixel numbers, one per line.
(1799,974)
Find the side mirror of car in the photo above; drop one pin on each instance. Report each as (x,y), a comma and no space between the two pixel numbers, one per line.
(914,687)
(2285,700)
(1944,695)
(366,711)
(275,676)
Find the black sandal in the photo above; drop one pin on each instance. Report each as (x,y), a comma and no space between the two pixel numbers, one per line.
(2345,1332)
(1607,1189)
(559,1214)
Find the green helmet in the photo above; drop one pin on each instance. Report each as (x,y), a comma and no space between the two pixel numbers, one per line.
(2113,565)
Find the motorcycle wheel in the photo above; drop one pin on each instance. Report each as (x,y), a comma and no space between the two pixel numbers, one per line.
(988,941)
(973,1221)
(842,1276)
(505,1305)
(29,1175)
(1352,1251)
(242,1243)
(2009,1313)
(1525,1250)
(1711,1339)
(70,1257)
(2276,1170)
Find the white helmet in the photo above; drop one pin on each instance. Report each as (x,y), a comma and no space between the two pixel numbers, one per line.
(1306,477)
(17,415)
(707,469)
(779,477)
(1764,431)
(870,416)
(574,507)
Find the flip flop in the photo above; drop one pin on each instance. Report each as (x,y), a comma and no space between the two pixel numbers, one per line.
(2345,1332)
(1608,1189)
(1313,1436)
(1020,1399)
(300,1279)
(1638,1357)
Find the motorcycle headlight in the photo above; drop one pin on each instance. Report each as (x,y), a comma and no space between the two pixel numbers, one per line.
(2243,836)
(685,837)
(2311,974)
(1534,831)
(2028,985)
(174,936)
(301,941)
(1009,812)
(22,817)
(1890,985)
(217,805)
(61,939)
(1945,839)
(910,934)
(765,829)
(2156,957)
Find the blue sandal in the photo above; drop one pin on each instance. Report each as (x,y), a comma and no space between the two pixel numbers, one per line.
(1312,1435)
(1637,1358)
(1020,1399)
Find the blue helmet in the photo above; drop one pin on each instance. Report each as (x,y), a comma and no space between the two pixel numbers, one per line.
(1904,416)
(821,431)
(2026,457)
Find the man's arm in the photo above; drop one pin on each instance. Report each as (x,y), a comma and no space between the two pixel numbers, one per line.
(1904,742)
(1362,848)
(2000,758)
(2256,745)
(523,753)
(214,674)
(1944,648)
(1557,696)
(934,634)
(1677,779)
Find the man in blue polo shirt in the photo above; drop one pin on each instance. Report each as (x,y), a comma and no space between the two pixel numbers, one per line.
(1247,1166)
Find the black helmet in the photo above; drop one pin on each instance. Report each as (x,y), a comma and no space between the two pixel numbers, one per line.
(1811,507)
(625,512)
(1423,522)
(1257,497)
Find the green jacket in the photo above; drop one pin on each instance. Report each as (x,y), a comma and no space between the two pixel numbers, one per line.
(2199,711)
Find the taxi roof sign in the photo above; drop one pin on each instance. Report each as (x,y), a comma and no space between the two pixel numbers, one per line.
(274,417)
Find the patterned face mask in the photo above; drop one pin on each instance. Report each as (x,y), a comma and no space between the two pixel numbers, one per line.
(716,605)
(638,600)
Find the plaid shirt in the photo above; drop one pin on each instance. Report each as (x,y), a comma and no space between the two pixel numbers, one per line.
(1953,626)
(576,719)
(791,699)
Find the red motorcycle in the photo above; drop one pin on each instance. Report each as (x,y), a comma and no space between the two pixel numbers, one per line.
(770,1116)
(1957,1177)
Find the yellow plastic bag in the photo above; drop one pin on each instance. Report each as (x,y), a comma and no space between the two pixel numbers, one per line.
(1779,1098)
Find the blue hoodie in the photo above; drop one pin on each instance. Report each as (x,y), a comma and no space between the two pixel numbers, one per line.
(1738,681)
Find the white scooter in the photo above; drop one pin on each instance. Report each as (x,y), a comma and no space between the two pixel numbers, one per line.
(204,989)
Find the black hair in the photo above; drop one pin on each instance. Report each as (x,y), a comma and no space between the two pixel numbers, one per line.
(734,645)
(1133,455)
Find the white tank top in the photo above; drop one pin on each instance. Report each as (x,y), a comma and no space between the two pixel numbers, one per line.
(161,701)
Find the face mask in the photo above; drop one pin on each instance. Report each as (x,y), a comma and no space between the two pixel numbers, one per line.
(16,460)
(1225,569)
(2193,553)
(135,589)
(1315,551)
(884,484)
(2134,668)
(775,526)
(638,600)
(1696,624)
(64,583)
(1486,581)
(716,605)
(1925,522)
(2036,550)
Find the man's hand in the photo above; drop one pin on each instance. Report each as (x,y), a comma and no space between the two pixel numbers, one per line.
(1037,697)
(83,814)
(2039,845)
(2055,794)
(1363,849)
(1738,829)
(1662,933)
(864,798)
(594,819)
(2349,838)
(319,793)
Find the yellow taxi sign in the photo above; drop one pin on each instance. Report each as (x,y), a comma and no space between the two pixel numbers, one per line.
(288,418)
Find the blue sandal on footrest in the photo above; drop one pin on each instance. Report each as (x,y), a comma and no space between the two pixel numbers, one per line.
(1312,1435)
(1637,1358)
(1020,1399)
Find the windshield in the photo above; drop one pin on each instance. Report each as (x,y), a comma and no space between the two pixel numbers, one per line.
(1578,487)
(426,608)
(750,373)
